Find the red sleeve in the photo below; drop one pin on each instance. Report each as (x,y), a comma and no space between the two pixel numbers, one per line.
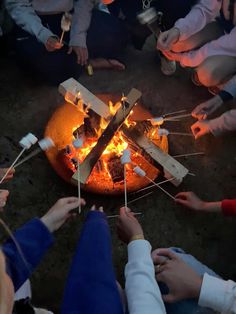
(229,207)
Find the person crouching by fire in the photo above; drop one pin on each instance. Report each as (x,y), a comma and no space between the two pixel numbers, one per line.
(224,123)
(55,39)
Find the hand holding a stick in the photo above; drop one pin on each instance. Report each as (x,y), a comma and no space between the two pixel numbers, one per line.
(200,128)
(53,44)
(3,198)
(202,111)
(128,227)
(9,175)
(60,212)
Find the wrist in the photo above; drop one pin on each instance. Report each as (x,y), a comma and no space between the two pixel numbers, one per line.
(47,223)
(212,207)
(196,288)
(138,236)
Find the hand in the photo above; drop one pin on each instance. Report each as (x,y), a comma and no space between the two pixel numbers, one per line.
(200,128)
(53,44)
(127,225)
(182,281)
(82,54)
(60,212)
(3,198)
(9,176)
(202,111)
(190,200)
(168,38)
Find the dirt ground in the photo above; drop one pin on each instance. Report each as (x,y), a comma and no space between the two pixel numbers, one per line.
(26,106)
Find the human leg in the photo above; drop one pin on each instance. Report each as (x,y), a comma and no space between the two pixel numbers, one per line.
(210,32)
(52,67)
(216,70)
(189,306)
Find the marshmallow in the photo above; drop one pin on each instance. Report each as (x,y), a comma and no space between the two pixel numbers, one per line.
(28,140)
(157,121)
(66,22)
(46,143)
(162,132)
(147,16)
(139,171)
(78,143)
(125,158)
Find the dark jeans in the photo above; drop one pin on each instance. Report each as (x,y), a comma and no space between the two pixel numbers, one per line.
(106,38)
(172,11)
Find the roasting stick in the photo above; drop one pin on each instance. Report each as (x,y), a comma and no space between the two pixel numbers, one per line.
(26,142)
(173,113)
(65,24)
(125,159)
(166,132)
(115,216)
(139,171)
(44,145)
(151,186)
(187,155)
(78,143)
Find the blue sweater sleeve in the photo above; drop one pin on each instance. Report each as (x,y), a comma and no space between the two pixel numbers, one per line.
(91,285)
(34,240)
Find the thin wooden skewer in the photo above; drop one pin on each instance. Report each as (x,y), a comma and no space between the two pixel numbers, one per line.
(34,153)
(78,179)
(190,154)
(179,116)
(181,133)
(139,198)
(173,113)
(158,186)
(12,165)
(151,186)
(62,35)
(191,174)
(125,186)
(115,216)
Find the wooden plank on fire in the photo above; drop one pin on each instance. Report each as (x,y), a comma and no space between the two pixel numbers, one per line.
(113,126)
(171,167)
(70,89)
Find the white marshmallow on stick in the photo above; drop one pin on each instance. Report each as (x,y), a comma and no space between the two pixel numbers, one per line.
(139,171)
(66,21)
(165,132)
(26,142)
(125,159)
(78,143)
(44,145)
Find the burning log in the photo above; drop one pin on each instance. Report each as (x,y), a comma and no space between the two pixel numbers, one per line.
(116,122)
(115,168)
(170,166)
(90,126)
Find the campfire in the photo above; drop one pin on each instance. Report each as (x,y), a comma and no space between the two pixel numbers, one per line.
(108,124)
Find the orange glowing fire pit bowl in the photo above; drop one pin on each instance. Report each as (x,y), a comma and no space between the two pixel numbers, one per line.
(68,118)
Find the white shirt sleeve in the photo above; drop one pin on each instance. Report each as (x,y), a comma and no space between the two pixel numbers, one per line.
(141,288)
(202,13)
(224,123)
(218,294)
(24,15)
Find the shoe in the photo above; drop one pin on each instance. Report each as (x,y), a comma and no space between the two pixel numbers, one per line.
(214,90)
(195,79)
(41,311)
(168,67)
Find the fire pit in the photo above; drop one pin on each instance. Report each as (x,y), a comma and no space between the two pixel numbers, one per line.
(106,174)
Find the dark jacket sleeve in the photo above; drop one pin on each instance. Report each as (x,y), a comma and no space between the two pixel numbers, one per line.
(91,285)
(34,239)
(229,207)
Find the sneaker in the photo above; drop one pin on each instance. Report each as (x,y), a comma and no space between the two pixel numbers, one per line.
(41,311)
(195,79)
(168,67)
(214,90)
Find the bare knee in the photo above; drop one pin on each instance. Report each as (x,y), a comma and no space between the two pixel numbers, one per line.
(208,76)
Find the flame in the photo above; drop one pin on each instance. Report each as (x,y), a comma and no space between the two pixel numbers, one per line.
(113,108)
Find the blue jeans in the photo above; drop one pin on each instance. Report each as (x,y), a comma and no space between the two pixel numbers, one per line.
(188,306)
(106,38)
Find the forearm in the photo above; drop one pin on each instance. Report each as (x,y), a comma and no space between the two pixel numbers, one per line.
(142,291)
(218,294)
(212,207)
(81,22)
(33,239)
(25,17)
(225,123)
(201,14)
